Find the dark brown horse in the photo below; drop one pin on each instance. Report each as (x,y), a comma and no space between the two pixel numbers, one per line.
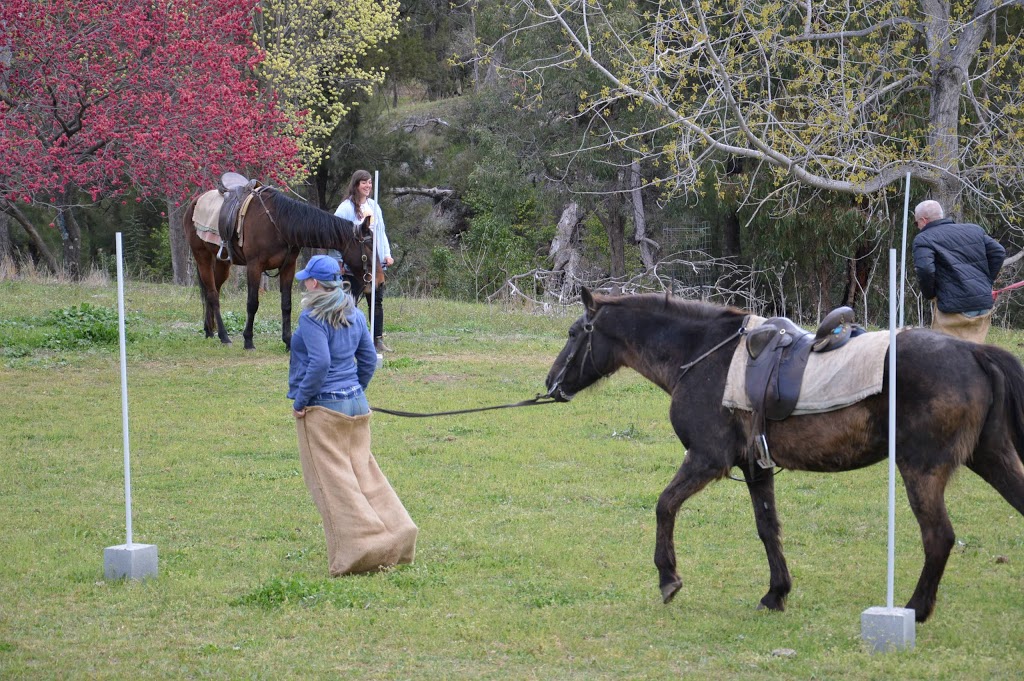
(274,229)
(958,403)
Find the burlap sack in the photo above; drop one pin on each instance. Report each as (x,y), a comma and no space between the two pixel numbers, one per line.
(969,328)
(366,525)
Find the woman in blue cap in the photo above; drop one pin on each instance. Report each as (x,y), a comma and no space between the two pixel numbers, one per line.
(332,354)
(332,361)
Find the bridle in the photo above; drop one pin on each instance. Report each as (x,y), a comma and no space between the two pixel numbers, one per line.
(363,242)
(588,330)
(367,267)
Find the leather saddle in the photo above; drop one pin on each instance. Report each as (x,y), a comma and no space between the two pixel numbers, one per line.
(237,190)
(777,354)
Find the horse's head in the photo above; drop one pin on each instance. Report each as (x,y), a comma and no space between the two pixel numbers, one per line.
(359,256)
(587,356)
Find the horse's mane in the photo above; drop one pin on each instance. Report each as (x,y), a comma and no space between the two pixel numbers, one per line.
(664,303)
(304,225)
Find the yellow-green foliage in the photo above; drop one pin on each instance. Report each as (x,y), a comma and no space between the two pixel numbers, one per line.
(316,60)
(833,96)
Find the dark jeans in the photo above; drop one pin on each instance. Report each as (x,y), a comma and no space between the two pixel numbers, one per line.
(378,307)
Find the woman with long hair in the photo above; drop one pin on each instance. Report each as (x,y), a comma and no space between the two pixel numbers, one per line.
(332,355)
(357,206)
(332,361)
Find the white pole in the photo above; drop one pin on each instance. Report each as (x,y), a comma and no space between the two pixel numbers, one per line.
(124,393)
(903,266)
(890,574)
(373,274)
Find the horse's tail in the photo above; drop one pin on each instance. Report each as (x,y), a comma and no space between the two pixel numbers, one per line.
(189,230)
(1004,369)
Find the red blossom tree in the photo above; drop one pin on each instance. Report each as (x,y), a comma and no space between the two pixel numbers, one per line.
(99,98)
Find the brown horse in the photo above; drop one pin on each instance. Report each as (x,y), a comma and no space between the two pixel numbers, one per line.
(274,229)
(957,403)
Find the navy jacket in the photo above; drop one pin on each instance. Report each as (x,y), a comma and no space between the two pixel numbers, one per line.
(956,264)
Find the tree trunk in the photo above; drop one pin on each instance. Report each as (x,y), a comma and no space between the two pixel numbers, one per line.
(181,257)
(857,272)
(949,62)
(321,179)
(731,241)
(564,252)
(6,247)
(37,241)
(648,247)
(71,236)
(615,228)
(943,140)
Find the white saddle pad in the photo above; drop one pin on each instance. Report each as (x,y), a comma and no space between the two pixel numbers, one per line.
(833,380)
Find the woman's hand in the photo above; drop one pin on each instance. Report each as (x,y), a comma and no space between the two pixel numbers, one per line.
(299,413)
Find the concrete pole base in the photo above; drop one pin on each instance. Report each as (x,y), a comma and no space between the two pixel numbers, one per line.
(886,629)
(129,561)
(380,360)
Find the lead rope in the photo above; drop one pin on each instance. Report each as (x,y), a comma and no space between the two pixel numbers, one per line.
(539,399)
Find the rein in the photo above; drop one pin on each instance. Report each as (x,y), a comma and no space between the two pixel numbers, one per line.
(539,399)
(738,332)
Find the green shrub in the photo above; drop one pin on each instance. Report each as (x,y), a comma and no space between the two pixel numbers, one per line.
(83,325)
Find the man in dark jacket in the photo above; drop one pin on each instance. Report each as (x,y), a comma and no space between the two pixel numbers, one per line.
(956,265)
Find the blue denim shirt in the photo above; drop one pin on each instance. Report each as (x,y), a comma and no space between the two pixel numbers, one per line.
(327,359)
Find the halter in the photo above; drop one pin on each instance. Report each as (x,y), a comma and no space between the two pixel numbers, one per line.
(588,329)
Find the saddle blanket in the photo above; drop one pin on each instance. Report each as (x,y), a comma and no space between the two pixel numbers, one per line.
(833,380)
(206,215)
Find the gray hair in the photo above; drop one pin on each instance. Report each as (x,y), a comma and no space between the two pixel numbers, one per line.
(331,303)
(928,211)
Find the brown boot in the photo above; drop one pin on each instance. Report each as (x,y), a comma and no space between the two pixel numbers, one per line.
(378,343)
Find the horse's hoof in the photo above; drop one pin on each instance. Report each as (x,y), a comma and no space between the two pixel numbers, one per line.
(771,604)
(669,591)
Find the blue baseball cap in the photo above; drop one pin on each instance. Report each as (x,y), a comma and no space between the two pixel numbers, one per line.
(321,268)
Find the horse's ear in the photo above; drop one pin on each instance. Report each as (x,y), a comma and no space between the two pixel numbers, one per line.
(588,301)
(364,226)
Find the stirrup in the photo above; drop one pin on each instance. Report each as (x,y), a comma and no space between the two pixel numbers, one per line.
(222,253)
(764,459)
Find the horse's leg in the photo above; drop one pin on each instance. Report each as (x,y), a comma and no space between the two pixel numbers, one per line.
(221,272)
(926,490)
(211,279)
(253,274)
(207,290)
(761,485)
(1001,468)
(693,476)
(287,276)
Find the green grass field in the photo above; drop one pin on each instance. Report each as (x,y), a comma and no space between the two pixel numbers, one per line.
(536,525)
